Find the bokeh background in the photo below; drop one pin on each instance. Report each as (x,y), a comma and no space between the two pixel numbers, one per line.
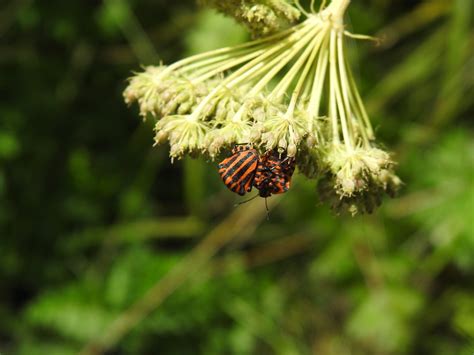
(107,247)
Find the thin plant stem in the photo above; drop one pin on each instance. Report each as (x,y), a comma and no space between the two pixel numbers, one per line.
(239,221)
(337,91)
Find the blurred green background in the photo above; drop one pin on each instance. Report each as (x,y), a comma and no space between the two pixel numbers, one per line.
(107,247)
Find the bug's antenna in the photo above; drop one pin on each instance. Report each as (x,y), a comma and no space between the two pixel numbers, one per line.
(268,211)
(242,202)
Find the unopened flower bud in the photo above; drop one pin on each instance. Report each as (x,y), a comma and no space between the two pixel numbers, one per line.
(291,150)
(310,141)
(282,143)
(161,137)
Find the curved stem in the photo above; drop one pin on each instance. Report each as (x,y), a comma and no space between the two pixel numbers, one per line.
(233,62)
(359,105)
(231,49)
(251,67)
(337,8)
(337,90)
(333,109)
(239,222)
(279,66)
(344,83)
(308,84)
(282,86)
(219,59)
(318,40)
(319,79)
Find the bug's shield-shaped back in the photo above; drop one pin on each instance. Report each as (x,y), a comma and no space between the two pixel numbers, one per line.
(274,174)
(238,170)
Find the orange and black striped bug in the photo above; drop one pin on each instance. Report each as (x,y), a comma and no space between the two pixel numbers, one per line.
(238,170)
(270,173)
(274,174)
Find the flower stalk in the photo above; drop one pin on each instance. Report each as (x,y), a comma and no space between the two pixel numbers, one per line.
(292,91)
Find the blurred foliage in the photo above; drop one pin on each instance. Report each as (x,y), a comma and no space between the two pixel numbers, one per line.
(92,217)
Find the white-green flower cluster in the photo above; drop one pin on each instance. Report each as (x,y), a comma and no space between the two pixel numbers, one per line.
(292,91)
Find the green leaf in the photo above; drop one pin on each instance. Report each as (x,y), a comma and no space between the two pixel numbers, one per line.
(123,287)
(382,319)
(9,146)
(38,347)
(69,312)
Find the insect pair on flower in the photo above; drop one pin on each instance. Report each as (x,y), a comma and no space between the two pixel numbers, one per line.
(292,90)
(269,173)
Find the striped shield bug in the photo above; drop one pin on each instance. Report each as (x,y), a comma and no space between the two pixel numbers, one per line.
(270,173)
(273,175)
(238,170)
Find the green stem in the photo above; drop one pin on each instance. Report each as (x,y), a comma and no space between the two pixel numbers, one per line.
(279,65)
(318,40)
(232,49)
(308,85)
(221,67)
(251,68)
(359,105)
(344,83)
(319,79)
(281,88)
(337,90)
(336,9)
(333,111)
(218,59)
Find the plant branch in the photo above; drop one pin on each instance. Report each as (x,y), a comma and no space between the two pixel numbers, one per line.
(239,221)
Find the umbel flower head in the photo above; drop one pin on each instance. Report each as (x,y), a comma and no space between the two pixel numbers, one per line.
(291,91)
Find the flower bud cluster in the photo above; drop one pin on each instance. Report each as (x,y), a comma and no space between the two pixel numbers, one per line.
(292,92)
(262,17)
(160,93)
(356,179)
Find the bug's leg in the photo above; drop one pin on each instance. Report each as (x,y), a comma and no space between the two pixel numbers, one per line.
(242,202)
(266,207)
